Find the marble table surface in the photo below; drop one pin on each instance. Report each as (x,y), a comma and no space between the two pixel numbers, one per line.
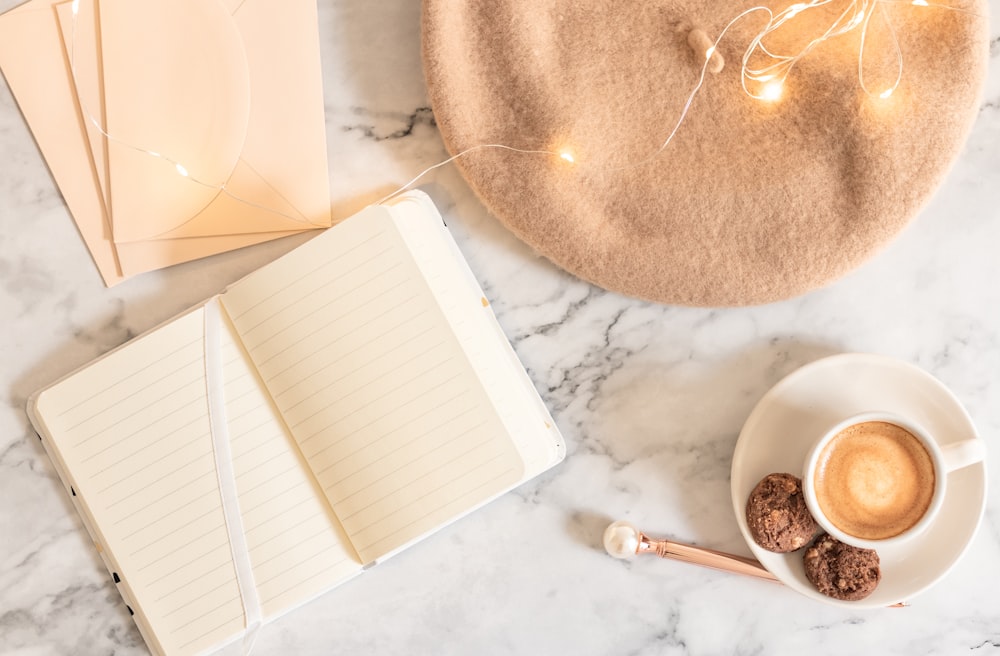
(650,399)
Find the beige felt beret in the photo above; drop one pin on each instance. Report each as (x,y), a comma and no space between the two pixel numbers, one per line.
(752,201)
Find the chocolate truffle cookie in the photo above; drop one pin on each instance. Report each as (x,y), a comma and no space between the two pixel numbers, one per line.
(777,515)
(841,571)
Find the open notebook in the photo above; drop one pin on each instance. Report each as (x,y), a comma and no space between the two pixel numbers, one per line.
(361,393)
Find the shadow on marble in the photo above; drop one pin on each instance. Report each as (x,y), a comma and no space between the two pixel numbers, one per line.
(671,466)
(587,528)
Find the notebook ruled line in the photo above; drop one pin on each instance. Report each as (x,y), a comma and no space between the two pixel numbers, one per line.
(250,431)
(304,540)
(299,563)
(341,336)
(305,520)
(129,377)
(193,540)
(211,511)
(420,478)
(283,330)
(404,465)
(212,630)
(399,509)
(379,418)
(177,609)
(136,472)
(140,390)
(186,584)
(308,274)
(431,511)
(348,374)
(311,577)
(381,272)
(166,496)
(312,353)
(281,513)
(198,499)
(242,395)
(185,388)
(192,561)
(204,614)
(267,440)
(262,463)
(146,446)
(371,443)
(199,458)
(278,494)
(274,476)
(375,400)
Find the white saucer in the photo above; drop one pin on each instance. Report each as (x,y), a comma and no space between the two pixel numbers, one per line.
(798,409)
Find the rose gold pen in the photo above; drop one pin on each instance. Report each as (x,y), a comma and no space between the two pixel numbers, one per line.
(622,540)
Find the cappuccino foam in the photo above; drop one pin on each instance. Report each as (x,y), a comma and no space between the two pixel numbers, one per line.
(874,480)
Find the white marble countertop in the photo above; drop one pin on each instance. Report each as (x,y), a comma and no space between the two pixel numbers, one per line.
(650,399)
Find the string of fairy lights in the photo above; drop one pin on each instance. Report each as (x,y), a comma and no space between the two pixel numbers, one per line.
(763,72)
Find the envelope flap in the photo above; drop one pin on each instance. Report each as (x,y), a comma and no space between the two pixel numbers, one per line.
(283,56)
(176,84)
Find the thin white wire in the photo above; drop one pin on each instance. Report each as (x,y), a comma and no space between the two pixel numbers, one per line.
(461,154)
(899,56)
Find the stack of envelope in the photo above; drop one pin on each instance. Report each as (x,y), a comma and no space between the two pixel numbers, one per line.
(175,129)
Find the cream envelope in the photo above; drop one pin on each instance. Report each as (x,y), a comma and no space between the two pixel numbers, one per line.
(79,35)
(36,67)
(79,39)
(225,93)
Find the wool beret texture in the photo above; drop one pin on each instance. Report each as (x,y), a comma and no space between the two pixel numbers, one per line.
(752,201)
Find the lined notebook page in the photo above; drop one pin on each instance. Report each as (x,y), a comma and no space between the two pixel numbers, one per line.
(297,547)
(373,385)
(133,431)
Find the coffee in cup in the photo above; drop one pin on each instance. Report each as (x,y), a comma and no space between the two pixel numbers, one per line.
(876,478)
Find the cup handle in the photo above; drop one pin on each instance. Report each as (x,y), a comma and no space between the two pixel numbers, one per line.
(962,454)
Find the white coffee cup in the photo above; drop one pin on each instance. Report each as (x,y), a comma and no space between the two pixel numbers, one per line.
(877,479)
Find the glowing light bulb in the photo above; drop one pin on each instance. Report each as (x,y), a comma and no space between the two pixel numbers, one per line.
(568,156)
(920,3)
(886,93)
(771,91)
(710,52)
(180,169)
